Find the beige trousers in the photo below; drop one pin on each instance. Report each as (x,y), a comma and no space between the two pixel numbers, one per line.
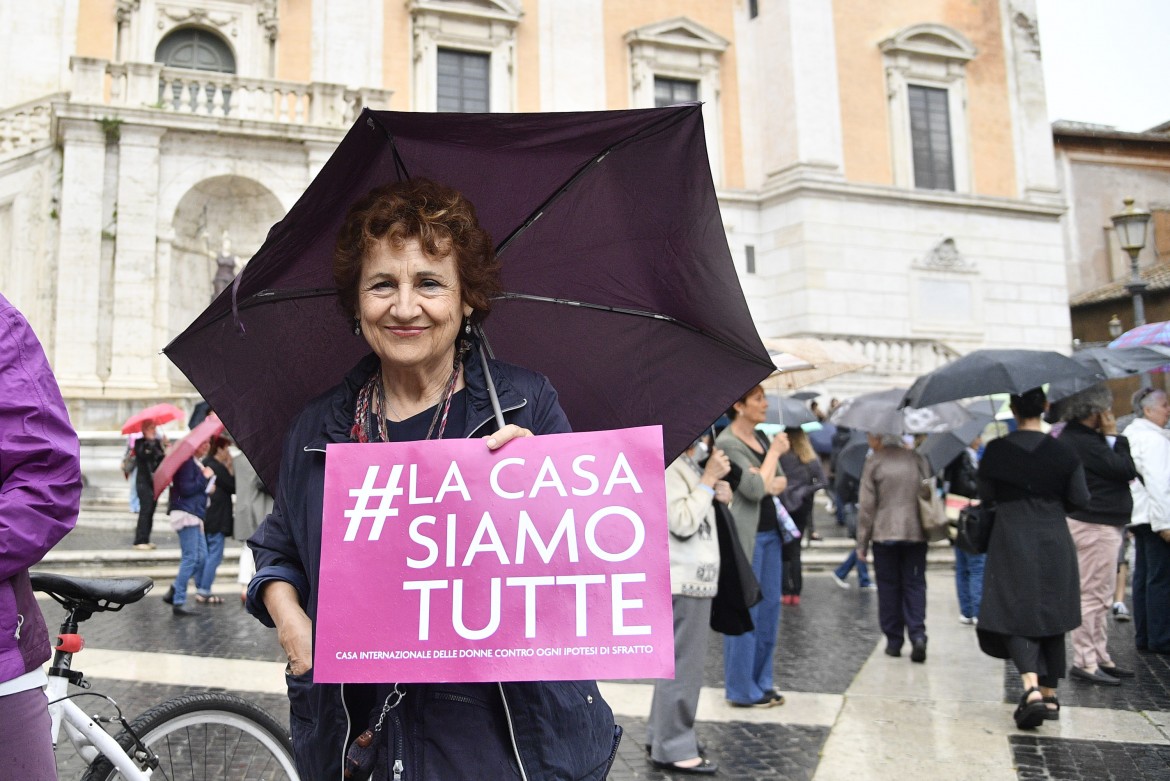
(1097,546)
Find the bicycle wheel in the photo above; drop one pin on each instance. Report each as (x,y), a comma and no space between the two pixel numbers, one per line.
(200,737)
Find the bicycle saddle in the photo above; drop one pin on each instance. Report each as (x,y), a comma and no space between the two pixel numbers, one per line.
(95,593)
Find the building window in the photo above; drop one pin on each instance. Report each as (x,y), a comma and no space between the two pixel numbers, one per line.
(195,49)
(679,61)
(749,252)
(753,9)
(930,137)
(464,54)
(669,92)
(463,81)
(926,73)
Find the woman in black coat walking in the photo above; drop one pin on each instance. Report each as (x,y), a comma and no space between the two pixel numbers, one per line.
(1031,585)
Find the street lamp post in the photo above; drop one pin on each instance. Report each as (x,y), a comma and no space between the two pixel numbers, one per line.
(1130,226)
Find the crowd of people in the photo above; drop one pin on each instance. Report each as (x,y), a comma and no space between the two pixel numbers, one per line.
(414,273)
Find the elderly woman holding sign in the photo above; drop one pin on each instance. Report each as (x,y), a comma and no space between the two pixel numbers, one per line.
(414,271)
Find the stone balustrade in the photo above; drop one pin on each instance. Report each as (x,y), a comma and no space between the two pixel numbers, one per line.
(222,95)
(896,357)
(26,125)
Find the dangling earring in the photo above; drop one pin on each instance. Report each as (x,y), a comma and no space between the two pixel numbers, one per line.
(467,327)
(357,327)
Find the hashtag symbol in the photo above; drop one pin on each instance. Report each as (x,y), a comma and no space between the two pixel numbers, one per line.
(363,495)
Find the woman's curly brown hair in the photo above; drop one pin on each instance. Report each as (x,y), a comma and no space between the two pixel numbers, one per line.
(440,218)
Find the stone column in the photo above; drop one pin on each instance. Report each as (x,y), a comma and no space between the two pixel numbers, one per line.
(1035,160)
(75,346)
(134,347)
(802,114)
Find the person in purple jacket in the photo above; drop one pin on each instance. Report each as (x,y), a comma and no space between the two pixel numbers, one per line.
(40,491)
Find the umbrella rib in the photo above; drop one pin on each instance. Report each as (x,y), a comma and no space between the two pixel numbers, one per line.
(586,168)
(399,163)
(627,311)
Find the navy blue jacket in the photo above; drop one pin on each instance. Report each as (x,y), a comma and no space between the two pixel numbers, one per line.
(563,730)
(189,489)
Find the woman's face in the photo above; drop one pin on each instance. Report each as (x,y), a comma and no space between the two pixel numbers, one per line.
(409,304)
(1157,411)
(754,407)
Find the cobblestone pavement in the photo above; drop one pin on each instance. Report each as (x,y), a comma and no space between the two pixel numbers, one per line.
(827,645)
(1041,759)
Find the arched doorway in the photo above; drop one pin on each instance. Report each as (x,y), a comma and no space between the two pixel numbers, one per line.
(231,208)
(195,48)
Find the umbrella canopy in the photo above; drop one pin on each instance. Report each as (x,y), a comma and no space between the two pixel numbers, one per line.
(805,395)
(620,286)
(1111,363)
(984,372)
(829,359)
(184,449)
(787,412)
(822,438)
(159,413)
(851,459)
(881,413)
(941,447)
(1144,335)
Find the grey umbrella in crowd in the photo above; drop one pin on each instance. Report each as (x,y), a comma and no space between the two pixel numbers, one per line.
(881,413)
(787,411)
(983,372)
(1111,363)
(941,447)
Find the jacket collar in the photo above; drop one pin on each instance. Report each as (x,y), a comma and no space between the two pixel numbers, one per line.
(338,419)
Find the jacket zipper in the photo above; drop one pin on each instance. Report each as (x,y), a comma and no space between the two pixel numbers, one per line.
(490,418)
(512,732)
(399,746)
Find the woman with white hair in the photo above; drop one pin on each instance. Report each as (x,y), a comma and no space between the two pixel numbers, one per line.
(1097,529)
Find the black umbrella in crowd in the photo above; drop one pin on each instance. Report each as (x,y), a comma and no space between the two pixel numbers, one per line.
(620,285)
(983,372)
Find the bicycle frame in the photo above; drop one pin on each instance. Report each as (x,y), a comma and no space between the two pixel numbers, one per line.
(86,735)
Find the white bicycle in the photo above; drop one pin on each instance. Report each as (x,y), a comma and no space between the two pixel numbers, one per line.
(197,737)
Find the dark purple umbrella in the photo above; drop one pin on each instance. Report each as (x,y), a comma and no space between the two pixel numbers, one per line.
(620,285)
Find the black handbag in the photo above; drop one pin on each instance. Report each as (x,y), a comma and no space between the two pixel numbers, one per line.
(973,529)
(738,588)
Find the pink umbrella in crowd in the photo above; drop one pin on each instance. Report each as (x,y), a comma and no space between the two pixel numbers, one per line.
(184,449)
(159,413)
(1144,336)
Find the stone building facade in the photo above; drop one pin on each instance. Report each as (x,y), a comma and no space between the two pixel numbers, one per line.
(885,170)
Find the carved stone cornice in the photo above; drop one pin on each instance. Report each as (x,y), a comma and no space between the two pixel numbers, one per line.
(126,9)
(945,256)
(269,18)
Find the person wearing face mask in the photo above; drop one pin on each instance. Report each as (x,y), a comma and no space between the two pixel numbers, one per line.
(1096,530)
(691,492)
(1150,448)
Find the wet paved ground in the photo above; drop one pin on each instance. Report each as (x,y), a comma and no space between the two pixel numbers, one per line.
(824,644)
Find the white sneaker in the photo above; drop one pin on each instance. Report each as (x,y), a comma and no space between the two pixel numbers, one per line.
(838,581)
(966,620)
(1120,611)
(869,587)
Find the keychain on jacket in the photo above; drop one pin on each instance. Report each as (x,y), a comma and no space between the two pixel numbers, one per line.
(363,752)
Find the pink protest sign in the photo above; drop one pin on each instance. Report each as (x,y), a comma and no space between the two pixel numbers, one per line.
(545,560)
